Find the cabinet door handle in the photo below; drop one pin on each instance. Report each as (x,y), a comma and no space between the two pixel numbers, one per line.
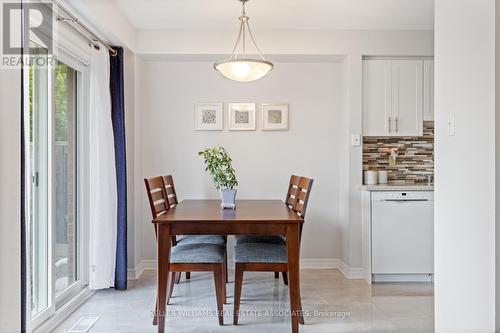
(389,120)
(397,124)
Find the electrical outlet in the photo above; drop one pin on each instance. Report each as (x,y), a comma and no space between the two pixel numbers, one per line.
(355,140)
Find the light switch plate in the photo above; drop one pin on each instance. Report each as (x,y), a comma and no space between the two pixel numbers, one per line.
(451,124)
(355,140)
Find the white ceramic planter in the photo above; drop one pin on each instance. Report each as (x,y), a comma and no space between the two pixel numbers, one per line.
(228,198)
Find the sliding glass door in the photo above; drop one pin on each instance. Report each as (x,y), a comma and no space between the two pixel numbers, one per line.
(39,106)
(64,178)
(57,233)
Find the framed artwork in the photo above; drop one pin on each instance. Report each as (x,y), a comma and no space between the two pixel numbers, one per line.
(242,116)
(275,117)
(209,116)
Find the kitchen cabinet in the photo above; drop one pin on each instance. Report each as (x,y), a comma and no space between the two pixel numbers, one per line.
(393,97)
(428,90)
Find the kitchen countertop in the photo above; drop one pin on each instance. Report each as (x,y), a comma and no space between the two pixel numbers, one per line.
(397,187)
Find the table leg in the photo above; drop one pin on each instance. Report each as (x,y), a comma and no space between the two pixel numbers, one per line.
(163,255)
(292,244)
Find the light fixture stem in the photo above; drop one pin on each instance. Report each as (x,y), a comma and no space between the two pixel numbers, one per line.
(234,54)
(244,25)
(244,39)
(253,41)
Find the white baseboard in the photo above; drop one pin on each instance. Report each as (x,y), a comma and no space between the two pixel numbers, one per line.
(403,277)
(320,263)
(352,273)
(349,272)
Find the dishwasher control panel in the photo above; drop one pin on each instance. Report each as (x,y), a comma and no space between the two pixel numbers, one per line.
(403,195)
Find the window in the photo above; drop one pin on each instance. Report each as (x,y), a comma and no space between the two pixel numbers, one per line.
(57,229)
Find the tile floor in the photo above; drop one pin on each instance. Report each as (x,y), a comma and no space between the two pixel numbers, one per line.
(334,303)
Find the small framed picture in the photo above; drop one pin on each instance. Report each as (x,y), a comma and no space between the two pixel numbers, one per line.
(275,117)
(209,116)
(242,116)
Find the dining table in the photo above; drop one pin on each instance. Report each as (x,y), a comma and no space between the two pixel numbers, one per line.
(249,217)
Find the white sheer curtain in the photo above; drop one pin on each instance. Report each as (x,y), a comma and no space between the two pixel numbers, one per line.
(103,197)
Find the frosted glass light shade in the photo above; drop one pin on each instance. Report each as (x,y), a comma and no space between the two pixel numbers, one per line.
(243,70)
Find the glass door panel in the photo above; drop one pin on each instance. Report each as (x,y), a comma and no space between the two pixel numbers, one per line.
(39,101)
(64,178)
(55,251)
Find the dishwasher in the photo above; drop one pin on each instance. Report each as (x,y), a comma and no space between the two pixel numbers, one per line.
(402,232)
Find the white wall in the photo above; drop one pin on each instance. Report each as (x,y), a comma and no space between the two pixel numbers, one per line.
(135,186)
(129,60)
(264,160)
(198,45)
(465,206)
(10,227)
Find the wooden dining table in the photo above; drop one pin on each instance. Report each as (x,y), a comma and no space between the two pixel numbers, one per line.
(250,217)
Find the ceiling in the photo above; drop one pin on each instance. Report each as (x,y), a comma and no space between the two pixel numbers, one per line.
(280,14)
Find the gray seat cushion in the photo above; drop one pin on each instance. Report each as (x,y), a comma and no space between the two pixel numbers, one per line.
(260,253)
(197,253)
(242,239)
(202,239)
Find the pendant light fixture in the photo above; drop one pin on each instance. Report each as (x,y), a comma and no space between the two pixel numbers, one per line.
(238,67)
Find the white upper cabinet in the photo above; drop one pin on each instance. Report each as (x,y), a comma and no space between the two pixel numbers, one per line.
(377,104)
(428,90)
(407,98)
(393,97)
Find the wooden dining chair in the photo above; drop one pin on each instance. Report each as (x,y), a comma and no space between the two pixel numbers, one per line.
(290,199)
(172,201)
(189,257)
(269,257)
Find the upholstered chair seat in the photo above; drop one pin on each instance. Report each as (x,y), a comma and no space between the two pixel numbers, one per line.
(197,253)
(201,239)
(260,253)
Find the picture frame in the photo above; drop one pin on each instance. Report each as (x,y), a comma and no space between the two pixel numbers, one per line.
(241,116)
(209,116)
(274,116)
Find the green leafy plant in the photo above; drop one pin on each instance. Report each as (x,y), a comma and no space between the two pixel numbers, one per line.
(218,165)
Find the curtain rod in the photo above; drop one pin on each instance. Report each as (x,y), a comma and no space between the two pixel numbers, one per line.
(73,19)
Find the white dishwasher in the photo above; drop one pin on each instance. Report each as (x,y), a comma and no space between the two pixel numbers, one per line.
(402,232)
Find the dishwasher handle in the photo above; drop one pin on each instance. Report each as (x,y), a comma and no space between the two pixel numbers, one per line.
(406,200)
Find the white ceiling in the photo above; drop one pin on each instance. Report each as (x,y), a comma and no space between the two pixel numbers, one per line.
(280,14)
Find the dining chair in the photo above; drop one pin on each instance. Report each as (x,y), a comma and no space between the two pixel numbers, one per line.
(172,201)
(290,199)
(270,256)
(188,257)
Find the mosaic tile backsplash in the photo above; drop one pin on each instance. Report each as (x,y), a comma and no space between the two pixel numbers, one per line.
(415,161)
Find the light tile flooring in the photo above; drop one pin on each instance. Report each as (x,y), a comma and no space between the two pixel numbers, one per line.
(334,304)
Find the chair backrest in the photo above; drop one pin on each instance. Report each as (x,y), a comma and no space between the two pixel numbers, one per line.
(168,181)
(292,191)
(156,195)
(297,196)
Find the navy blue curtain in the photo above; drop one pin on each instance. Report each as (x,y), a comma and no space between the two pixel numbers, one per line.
(118,117)
(24,281)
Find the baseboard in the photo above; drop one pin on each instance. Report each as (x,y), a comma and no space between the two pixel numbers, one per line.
(135,273)
(320,263)
(403,277)
(349,272)
(352,273)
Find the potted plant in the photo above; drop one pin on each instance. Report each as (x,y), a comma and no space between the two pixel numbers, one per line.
(218,165)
